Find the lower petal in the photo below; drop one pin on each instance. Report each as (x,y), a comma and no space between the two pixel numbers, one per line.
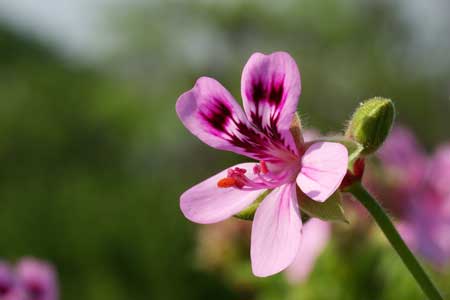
(324,165)
(207,203)
(276,232)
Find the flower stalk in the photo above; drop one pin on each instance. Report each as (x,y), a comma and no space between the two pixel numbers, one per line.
(388,228)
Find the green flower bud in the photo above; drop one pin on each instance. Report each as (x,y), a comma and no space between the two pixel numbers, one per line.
(371,123)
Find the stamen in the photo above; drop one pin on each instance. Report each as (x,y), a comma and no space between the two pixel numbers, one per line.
(257,169)
(236,178)
(226,182)
(264,168)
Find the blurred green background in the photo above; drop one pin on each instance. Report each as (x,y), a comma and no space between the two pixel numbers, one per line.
(93,157)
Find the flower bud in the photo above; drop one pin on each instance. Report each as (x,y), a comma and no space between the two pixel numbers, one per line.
(371,123)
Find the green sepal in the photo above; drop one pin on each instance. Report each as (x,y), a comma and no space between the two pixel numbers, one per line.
(249,212)
(354,148)
(330,210)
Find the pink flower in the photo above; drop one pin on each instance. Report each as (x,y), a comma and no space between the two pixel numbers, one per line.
(403,168)
(316,234)
(419,193)
(426,228)
(37,279)
(429,216)
(270,88)
(402,155)
(439,172)
(6,280)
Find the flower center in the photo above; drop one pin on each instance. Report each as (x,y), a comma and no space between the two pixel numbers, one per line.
(263,179)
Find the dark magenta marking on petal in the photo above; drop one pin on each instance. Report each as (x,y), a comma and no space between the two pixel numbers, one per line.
(276,92)
(217,114)
(258,140)
(258,92)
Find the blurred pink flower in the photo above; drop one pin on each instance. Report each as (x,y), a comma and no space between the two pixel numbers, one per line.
(439,170)
(427,229)
(420,194)
(402,154)
(6,280)
(429,217)
(31,279)
(403,163)
(37,279)
(316,234)
(270,88)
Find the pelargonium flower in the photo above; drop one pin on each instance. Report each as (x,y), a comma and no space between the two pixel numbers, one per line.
(418,193)
(426,226)
(270,89)
(37,279)
(404,164)
(439,171)
(6,280)
(402,155)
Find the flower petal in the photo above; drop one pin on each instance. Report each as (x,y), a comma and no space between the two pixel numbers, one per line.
(401,154)
(6,277)
(316,234)
(276,232)
(270,88)
(324,165)
(209,112)
(37,276)
(206,203)
(439,170)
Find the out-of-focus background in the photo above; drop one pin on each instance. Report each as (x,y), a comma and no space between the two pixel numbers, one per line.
(93,158)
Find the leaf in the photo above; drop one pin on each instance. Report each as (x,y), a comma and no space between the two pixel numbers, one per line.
(354,148)
(249,212)
(330,210)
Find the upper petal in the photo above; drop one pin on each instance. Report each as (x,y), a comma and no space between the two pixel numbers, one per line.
(209,112)
(276,232)
(270,88)
(206,203)
(324,165)
(316,234)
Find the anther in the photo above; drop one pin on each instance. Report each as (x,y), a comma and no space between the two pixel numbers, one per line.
(226,182)
(264,168)
(256,169)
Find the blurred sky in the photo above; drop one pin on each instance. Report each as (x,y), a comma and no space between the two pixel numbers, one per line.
(80,28)
(77,27)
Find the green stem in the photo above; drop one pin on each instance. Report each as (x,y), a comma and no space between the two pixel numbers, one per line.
(396,241)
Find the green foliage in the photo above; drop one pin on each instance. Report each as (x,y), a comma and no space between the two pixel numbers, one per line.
(76,189)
